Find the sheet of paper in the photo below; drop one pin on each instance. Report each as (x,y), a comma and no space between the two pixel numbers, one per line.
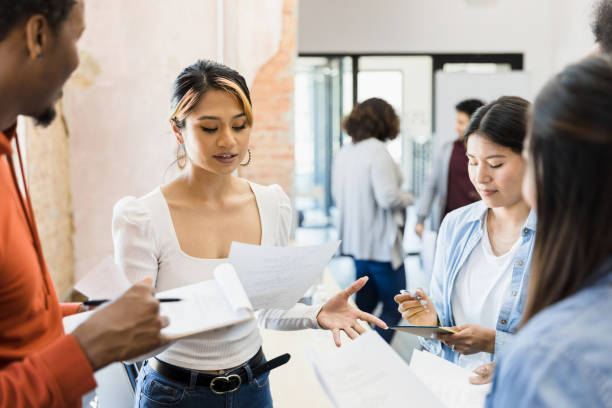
(228,280)
(448,381)
(368,373)
(104,281)
(277,277)
(206,305)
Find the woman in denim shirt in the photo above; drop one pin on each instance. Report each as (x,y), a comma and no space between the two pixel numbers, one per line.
(562,357)
(484,249)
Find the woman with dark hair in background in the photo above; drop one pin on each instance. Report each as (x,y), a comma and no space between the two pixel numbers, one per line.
(484,250)
(180,232)
(562,357)
(366,187)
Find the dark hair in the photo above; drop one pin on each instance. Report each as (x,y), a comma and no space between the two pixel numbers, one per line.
(469,106)
(602,25)
(197,79)
(14,11)
(373,117)
(503,121)
(570,145)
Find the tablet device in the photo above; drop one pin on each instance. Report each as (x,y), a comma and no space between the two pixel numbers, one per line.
(423,331)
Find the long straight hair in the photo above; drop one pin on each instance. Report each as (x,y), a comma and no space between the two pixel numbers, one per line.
(570,149)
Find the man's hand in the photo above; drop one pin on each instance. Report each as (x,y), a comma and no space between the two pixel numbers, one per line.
(419,312)
(484,374)
(338,314)
(470,339)
(126,328)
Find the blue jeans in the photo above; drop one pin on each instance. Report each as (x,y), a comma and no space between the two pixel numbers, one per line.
(383,285)
(155,391)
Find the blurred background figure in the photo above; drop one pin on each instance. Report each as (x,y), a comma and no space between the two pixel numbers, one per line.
(449,186)
(366,186)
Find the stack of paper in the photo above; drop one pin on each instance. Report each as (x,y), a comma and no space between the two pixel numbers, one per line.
(206,305)
(449,382)
(368,373)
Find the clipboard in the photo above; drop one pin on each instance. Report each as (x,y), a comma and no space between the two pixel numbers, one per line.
(423,331)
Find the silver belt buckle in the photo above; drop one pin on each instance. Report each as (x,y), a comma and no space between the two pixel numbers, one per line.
(225,379)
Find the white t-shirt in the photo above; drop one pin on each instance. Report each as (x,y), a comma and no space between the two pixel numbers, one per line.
(479,290)
(146,245)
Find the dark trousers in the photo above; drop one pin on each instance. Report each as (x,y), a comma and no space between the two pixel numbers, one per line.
(383,284)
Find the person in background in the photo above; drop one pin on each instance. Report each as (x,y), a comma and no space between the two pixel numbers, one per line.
(41,366)
(366,187)
(449,186)
(482,263)
(181,231)
(561,355)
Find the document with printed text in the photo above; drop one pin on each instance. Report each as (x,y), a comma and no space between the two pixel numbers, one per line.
(449,382)
(366,373)
(277,277)
(204,306)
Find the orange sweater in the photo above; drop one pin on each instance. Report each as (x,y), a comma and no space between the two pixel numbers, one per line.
(40,366)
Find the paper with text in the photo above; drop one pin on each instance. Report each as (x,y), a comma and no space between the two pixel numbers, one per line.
(104,281)
(205,305)
(448,381)
(368,373)
(277,277)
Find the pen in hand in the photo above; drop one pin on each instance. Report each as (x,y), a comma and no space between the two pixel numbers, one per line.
(418,297)
(98,302)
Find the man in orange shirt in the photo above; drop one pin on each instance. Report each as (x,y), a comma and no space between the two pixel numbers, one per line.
(40,366)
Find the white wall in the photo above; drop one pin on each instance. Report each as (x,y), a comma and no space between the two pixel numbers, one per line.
(550,33)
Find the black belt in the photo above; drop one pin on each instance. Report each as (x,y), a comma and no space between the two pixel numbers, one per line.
(224,383)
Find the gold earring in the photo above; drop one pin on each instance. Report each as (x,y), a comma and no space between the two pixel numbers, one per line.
(248,161)
(181,156)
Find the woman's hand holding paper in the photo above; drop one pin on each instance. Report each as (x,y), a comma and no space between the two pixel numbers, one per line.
(484,374)
(339,314)
(417,308)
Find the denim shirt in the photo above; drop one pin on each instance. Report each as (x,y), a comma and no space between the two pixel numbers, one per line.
(563,356)
(460,232)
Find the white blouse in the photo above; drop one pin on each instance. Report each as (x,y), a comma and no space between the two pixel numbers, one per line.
(146,245)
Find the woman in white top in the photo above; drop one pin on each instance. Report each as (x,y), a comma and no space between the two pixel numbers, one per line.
(483,255)
(180,232)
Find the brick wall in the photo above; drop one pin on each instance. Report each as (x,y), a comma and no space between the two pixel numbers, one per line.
(272,96)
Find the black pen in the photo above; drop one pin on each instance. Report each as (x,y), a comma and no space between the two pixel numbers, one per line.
(98,302)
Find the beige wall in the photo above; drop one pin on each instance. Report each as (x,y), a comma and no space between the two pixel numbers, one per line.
(48,174)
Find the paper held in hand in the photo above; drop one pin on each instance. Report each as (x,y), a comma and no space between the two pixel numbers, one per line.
(205,306)
(449,382)
(366,373)
(277,277)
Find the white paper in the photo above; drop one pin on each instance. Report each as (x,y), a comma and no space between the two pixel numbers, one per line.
(206,305)
(104,281)
(448,381)
(277,277)
(368,373)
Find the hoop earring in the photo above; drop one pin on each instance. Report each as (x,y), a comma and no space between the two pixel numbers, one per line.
(248,161)
(181,156)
